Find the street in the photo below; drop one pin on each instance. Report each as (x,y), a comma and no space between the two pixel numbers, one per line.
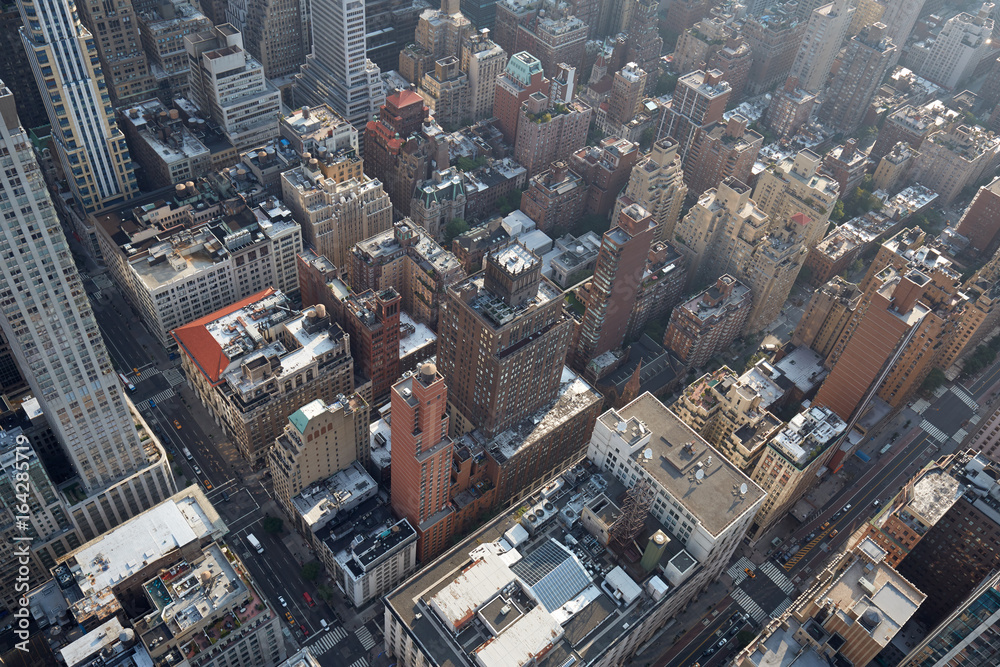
(240,495)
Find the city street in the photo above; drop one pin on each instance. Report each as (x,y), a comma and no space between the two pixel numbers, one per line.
(171,408)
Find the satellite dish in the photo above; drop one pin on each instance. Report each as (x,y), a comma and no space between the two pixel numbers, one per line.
(648,454)
(700,474)
(743,489)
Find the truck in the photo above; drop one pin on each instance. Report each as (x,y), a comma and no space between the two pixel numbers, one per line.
(187,454)
(256,544)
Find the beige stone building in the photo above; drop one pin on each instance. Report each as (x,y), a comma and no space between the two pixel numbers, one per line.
(657,184)
(483,61)
(795,186)
(446,92)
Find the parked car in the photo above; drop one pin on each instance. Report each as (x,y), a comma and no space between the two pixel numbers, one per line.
(282,602)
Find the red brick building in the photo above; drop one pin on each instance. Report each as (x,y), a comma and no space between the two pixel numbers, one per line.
(522,77)
(981,221)
(708,323)
(605,169)
(847,165)
(789,110)
(554,199)
(699,100)
(724,150)
(372,321)
(549,132)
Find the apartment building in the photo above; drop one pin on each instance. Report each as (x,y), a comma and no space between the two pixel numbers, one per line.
(319,130)
(483,61)
(774,36)
(790,109)
(868,57)
(657,184)
(953,159)
(555,198)
(521,78)
(256,361)
(796,186)
(161,30)
(605,169)
(980,222)
(827,314)
(726,149)
(548,132)
(446,92)
(709,322)
(699,100)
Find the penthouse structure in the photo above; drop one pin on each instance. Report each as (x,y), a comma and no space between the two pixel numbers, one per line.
(708,323)
(255,362)
(521,78)
(318,130)
(181,259)
(855,608)
(407,259)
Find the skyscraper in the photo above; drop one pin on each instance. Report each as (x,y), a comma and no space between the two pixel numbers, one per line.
(869,56)
(114,28)
(55,338)
(620,266)
(274,33)
(824,34)
(699,100)
(657,184)
(337,72)
(66,65)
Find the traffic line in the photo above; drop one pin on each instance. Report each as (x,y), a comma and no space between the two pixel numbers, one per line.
(780,609)
(959,435)
(748,605)
(333,637)
(933,431)
(921,405)
(365,637)
(964,395)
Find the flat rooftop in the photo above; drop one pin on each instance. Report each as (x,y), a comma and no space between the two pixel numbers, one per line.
(677,451)
(341,492)
(933,494)
(198,591)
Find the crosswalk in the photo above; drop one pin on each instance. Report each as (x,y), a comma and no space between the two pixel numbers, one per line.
(921,405)
(162,396)
(964,395)
(960,435)
(748,605)
(173,376)
(778,577)
(933,431)
(780,609)
(365,637)
(360,662)
(737,571)
(332,637)
(144,374)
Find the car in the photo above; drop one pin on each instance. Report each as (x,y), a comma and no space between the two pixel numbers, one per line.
(324,624)
(833,533)
(208,484)
(288,617)
(197,470)
(846,507)
(810,536)
(750,573)
(825,525)
(722,642)
(165,440)
(225,497)
(177,424)
(282,602)
(836,516)
(305,631)
(151,403)
(877,502)
(308,599)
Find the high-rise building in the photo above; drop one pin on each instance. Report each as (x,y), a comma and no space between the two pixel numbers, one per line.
(338,71)
(440,33)
(162,29)
(250,377)
(847,165)
(123,61)
(482,13)
(446,91)
(981,221)
(230,86)
(621,262)
(521,77)
(894,167)
(789,110)
(643,43)
(554,198)
(422,462)
(795,186)
(273,31)
(953,159)
(696,46)
(699,100)
(15,68)
(828,312)
(821,42)
(371,319)
(389,26)
(439,200)
(957,50)
(605,169)
(899,17)
(967,636)
(774,36)
(724,150)
(54,336)
(911,125)
(734,60)
(548,132)
(869,56)
(87,140)
(319,440)
(709,322)
(657,184)
(493,326)
(627,89)
(483,61)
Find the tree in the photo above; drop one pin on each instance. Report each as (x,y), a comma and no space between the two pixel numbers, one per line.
(837,214)
(591,222)
(311,570)
(666,84)
(453,230)
(647,138)
(934,379)
(272,524)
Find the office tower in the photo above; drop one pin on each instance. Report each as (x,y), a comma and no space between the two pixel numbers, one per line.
(12,383)
(445,89)
(699,100)
(620,265)
(627,90)
(657,184)
(953,159)
(162,29)
(828,312)
(482,13)
(409,260)
(88,143)
(774,36)
(981,221)
(229,85)
(338,72)
(548,132)
(725,150)
(256,361)
(789,110)
(852,611)
(483,61)
(821,42)
(869,55)
(796,186)
(493,326)
(319,440)
(787,468)
(439,33)
(709,322)
(55,339)
(422,458)
(335,215)
(967,636)
(554,198)
(521,77)
(956,547)
(605,170)
(273,32)
(15,69)
(123,61)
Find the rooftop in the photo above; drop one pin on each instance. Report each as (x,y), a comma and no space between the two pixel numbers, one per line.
(385,247)
(803,367)
(808,434)
(343,491)
(413,335)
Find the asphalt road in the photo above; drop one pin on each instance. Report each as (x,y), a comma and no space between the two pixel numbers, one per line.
(701,644)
